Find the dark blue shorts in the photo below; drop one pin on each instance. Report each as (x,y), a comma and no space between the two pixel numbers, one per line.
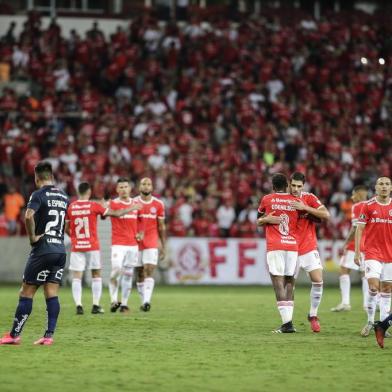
(44,269)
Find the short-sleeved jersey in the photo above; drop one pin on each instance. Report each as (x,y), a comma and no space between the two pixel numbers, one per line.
(378,231)
(149,214)
(284,235)
(355,213)
(82,216)
(50,205)
(124,228)
(307,238)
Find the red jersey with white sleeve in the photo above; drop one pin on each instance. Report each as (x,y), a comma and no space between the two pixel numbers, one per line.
(355,213)
(82,216)
(378,231)
(284,235)
(307,238)
(149,214)
(124,228)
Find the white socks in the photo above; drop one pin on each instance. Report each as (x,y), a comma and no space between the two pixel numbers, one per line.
(316,293)
(385,305)
(371,305)
(140,290)
(345,285)
(365,291)
(126,285)
(96,288)
(148,289)
(77,291)
(286,309)
(113,289)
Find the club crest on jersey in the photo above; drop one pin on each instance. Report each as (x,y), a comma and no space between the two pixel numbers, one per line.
(190,265)
(362,216)
(390,212)
(153,210)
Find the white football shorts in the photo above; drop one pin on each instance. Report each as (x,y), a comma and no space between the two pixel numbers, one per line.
(310,261)
(282,262)
(149,256)
(79,260)
(347,261)
(124,256)
(378,270)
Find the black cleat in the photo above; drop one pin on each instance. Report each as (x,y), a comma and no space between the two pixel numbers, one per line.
(79,309)
(286,328)
(114,306)
(97,310)
(145,307)
(124,309)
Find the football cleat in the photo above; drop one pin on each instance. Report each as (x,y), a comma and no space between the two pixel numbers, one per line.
(341,308)
(367,329)
(114,306)
(44,341)
(145,307)
(8,339)
(286,328)
(380,334)
(79,309)
(97,310)
(314,323)
(124,309)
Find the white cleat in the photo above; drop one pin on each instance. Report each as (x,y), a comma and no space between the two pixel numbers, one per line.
(341,308)
(367,329)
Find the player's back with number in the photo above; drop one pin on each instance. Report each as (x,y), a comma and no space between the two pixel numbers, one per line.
(82,216)
(50,205)
(282,236)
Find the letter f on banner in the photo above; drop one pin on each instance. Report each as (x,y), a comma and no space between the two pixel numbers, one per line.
(214,259)
(244,261)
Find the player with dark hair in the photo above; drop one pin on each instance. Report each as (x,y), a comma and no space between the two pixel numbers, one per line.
(375,223)
(347,264)
(310,208)
(125,248)
(152,216)
(44,218)
(81,225)
(280,218)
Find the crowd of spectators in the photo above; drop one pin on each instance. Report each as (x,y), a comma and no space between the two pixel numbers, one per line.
(209,110)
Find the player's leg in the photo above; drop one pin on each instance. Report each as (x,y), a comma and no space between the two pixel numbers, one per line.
(283,287)
(150,261)
(94,261)
(385,299)
(56,264)
(117,257)
(373,275)
(130,262)
(22,313)
(77,265)
(346,265)
(139,271)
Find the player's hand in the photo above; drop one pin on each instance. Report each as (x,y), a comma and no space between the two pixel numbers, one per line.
(357,259)
(298,205)
(162,253)
(139,236)
(35,238)
(136,207)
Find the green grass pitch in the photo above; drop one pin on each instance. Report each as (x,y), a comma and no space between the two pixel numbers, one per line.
(194,339)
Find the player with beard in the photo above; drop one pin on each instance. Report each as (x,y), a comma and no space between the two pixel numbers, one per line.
(153,237)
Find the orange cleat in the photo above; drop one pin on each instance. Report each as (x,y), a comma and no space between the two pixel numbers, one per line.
(44,341)
(314,323)
(8,339)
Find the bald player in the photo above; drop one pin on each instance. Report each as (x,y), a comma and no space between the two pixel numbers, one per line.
(152,238)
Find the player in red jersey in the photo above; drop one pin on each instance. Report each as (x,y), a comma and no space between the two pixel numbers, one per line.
(81,226)
(359,197)
(310,208)
(125,249)
(280,219)
(152,216)
(375,223)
